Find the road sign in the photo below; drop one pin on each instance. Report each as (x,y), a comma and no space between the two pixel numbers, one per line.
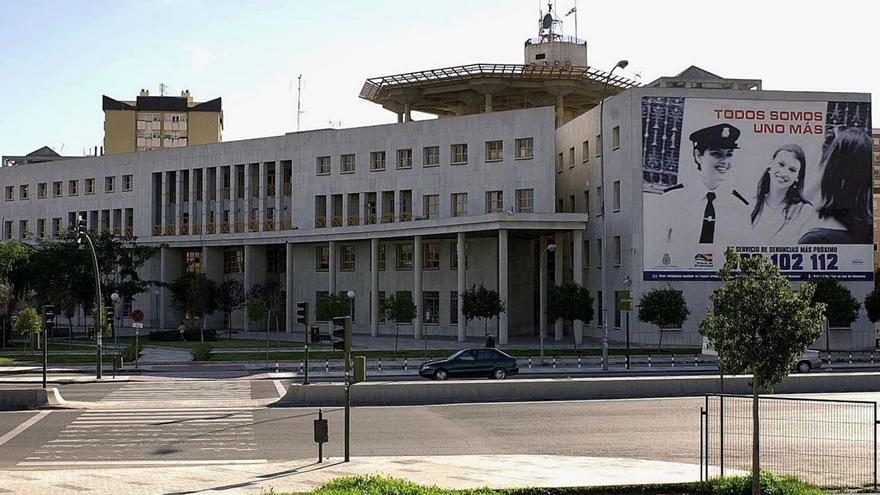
(137,316)
(137,324)
(625,305)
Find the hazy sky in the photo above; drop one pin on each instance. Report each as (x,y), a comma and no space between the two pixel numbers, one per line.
(58,57)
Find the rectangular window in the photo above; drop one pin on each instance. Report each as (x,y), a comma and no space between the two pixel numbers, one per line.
(616,250)
(109,184)
(600,306)
(233,259)
(615,137)
(10,193)
(322,258)
(56,227)
(127,182)
(571,157)
(319,296)
(57,189)
(7,230)
(601,199)
(377,160)
(524,148)
(381,257)
(598,145)
(404,158)
(525,200)
(494,201)
(42,190)
(586,151)
(459,204)
(453,307)
(431,307)
(73,187)
(41,227)
(459,154)
(559,159)
(90,186)
(618,314)
(381,303)
(431,205)
(615,195)
(346,259)
(494,151)
(453,258)
(431,253)
(347,164)
(192,261)
(430,156)
(276,260)
(22,229)
(404,257)
(323,165)
(599,253)
(587,202)
(586,255)
(23,191)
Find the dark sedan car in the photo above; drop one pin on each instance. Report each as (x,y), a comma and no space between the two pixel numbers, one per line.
(488,362)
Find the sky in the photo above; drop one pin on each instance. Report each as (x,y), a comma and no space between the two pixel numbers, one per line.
(57,57)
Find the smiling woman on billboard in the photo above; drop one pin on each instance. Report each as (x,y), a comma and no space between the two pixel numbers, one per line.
(780,210)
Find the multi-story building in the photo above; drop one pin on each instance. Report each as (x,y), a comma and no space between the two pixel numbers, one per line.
(504,190)
(157,122)
(875,141)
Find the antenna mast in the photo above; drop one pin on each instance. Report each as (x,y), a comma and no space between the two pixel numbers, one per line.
(298,99)
(162,89)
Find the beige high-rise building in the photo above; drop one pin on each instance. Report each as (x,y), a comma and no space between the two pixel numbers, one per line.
(154,122)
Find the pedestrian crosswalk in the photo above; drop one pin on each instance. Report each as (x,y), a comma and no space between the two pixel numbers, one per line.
(153,436)
(181,390)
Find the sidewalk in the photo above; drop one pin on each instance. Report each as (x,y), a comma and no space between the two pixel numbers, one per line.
(258,477)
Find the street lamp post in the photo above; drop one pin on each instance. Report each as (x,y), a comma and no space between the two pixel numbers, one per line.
(81,234)
(621,64)
(425,333)
(115,298)
(542,295)
(157,293)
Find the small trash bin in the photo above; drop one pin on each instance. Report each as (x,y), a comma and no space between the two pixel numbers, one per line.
(315,334)
(117,362)
(360,369)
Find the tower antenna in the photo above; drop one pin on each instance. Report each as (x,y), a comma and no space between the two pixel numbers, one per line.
(298,100)
(162,89)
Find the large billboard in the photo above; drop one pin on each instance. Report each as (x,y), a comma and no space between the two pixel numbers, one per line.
(787,180)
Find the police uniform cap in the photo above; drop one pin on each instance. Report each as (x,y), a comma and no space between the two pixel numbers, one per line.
(719,136)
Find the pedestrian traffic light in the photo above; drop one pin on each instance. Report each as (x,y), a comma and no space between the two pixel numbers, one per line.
(109,315)
(342,334)
(302,313)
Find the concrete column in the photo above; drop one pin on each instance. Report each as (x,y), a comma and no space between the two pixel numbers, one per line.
(248,184)
(248,277)
(194,217)
(557,278)
(163,200)
(488,107)
(179,206)
(374,287)
(331,272)
(560,110)
(289,302)
(279,193)
(503,286)
(328,206)
(345,209)
(542,290)
(578,275)
(206,203)
(163,291)
(212,265)
(460,258)
(218,198)
(397,204)
(234,204)
(262,190)
(400,118)
(407,113)
(417,285)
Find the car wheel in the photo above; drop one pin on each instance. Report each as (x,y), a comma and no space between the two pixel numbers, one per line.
(499,374)
(804,367)
(441,375)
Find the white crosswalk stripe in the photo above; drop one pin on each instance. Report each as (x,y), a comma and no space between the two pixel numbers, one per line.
(194,390)
(160,436)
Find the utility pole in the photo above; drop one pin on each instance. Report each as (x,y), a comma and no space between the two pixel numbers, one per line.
(298,100)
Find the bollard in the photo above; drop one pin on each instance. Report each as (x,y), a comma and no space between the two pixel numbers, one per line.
(602,361)
(673,360)
(850,358)
(380,365)
(405,365)
(579,362)
(327,366)
(872,358)
(554,361)
(649,360)
(696,360)
(300,366)
(276,366)
(530,362)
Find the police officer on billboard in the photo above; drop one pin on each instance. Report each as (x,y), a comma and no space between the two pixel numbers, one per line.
(706,211)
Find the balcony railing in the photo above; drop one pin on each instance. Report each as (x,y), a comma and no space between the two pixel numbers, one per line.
(336,221)
(129,232)
(171,229)
(224,228)
(269,225)
(388,217)
(239,227)
(197,229)
(117,231)
(286,224)
(369,219)
(406,216)
(254,226)
(354,220)
(184,229)
(210,228)
(287,188)
(320,222)
(157,230)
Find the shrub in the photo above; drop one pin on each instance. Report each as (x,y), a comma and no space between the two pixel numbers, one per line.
(201,352)
(174,336)
(130,353)
(770,485)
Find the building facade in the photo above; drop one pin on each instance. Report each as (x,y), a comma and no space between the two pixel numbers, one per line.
(157,122)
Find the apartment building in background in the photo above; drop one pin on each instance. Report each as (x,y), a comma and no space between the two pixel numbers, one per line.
(160,122)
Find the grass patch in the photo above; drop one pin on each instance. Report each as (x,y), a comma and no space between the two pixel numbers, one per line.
(218,344)
(741,485)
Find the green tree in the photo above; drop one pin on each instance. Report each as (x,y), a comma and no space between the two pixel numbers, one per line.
(230,297)
(841,308)
(762,325)
(664,307)
(5,301)
(400,309)
(483,303)
(12,254)
(28,323)
(256,309)
(271,294)
(120,258)
(872,305)
(331,306)
(570,301)
(195,296)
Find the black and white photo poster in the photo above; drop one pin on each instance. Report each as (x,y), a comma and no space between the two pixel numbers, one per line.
(787,180)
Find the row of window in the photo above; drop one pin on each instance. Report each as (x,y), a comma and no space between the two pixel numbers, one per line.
(600,199)
(430,305)
(585,150)
(458,155)
(430,257)
(24,192)
(106,220)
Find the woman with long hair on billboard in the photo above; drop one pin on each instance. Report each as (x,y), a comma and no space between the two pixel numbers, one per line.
(781,210)
(844,215)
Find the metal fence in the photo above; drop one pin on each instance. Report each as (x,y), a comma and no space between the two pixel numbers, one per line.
(830,443)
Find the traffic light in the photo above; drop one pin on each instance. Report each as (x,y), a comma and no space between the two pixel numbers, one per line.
(49,315)
(342,334)
(109,316)
(302,313)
